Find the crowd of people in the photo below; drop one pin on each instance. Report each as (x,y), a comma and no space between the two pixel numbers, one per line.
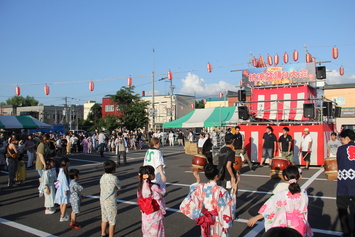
(212,205)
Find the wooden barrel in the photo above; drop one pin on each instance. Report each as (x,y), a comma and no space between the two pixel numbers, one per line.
(331,168)
(237,165)
(277,166)
(199,161)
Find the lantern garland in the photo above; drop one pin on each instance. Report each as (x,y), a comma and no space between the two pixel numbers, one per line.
(269,60)
(285,57)
(170,75)
(341,71)
(308,58)
(91,86)
(276,59)
(295,55)
(335,52)
(46,90)
(129,81)
(209,67)
(17,90)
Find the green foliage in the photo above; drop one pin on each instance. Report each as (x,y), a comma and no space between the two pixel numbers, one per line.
(199,104)
(109,123)
(134,110)
(21,101)
(95,113)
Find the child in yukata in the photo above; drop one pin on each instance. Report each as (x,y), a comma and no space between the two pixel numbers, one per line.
(288,208)
(151,203)
(109,186)
(75,197)
(210,205)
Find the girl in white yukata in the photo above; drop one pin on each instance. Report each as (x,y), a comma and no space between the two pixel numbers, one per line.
(288,208)
(154,157)
(210,205)
(62,195)
(151,203)
(47,186)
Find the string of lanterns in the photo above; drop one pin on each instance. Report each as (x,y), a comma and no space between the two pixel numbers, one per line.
(259,62)
(256,62)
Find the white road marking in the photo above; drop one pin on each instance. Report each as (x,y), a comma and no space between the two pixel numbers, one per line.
(25,228)
(309,181)
(257,229)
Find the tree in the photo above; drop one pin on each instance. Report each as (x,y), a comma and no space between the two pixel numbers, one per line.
(134,110)
(109,123)
(22,101)
(199,104)
(95,113)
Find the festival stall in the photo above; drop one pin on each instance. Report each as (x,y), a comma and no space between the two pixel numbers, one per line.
(21,122)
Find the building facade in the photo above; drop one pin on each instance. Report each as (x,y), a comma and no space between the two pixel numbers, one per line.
(343,96)
(87,108)
(168,108)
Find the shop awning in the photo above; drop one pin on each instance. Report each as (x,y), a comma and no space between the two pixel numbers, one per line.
(210,117)
(19,122)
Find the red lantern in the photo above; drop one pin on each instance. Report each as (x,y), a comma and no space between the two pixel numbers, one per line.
(164,107)
(46,90)
(335,52)
(143,93)
(170,75)
(295,55)
(172,108)
(192,106)
(181,107)
(276,59)
(285,57)
(220,95)
(129,81)
(308,58)
(261,61)
(91,86)
(255,62)
(269,60)
(204,101)
(209,67)
(17,90)
(341,71)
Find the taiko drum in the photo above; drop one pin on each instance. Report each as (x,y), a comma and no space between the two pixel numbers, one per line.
(199,161)
(331,168)
(237,163)
(279,164)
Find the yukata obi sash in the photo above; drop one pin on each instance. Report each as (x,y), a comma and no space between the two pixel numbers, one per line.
(297,223)
(206,221)
(148,205)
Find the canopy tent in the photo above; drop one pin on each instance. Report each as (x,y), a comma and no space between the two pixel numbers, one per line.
(18,122)
(210,117)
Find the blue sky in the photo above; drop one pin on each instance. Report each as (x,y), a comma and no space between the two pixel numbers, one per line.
(61,42)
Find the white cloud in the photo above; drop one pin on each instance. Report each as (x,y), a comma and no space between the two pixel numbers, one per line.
(333,77)
(193,83)
(156,92)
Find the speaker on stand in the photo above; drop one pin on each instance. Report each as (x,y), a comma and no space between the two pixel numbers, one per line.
(243,112)
(308,110)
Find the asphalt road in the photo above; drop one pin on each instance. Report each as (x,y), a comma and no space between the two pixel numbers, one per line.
(22,211)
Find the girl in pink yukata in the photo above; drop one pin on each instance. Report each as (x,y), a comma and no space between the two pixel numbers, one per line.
(151,203)
(210,205)
(288,208)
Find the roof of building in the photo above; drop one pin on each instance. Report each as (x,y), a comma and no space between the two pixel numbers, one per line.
(339,86)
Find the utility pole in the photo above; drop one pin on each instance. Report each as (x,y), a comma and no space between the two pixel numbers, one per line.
(171,99)
(153,109)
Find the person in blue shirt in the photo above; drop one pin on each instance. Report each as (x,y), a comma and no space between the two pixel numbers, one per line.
(346,179)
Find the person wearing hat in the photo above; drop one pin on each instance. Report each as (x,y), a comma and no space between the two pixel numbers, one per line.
(225,162)
(205,147)
(305,147)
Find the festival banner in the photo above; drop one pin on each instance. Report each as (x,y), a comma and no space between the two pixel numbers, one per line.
(289,74)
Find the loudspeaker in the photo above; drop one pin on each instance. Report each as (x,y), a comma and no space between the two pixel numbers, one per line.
(321,72)
(243,112)
(327,108)
(308,110)
(337,112)
(242,96)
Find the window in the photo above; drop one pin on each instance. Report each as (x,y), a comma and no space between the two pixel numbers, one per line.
(109,108)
